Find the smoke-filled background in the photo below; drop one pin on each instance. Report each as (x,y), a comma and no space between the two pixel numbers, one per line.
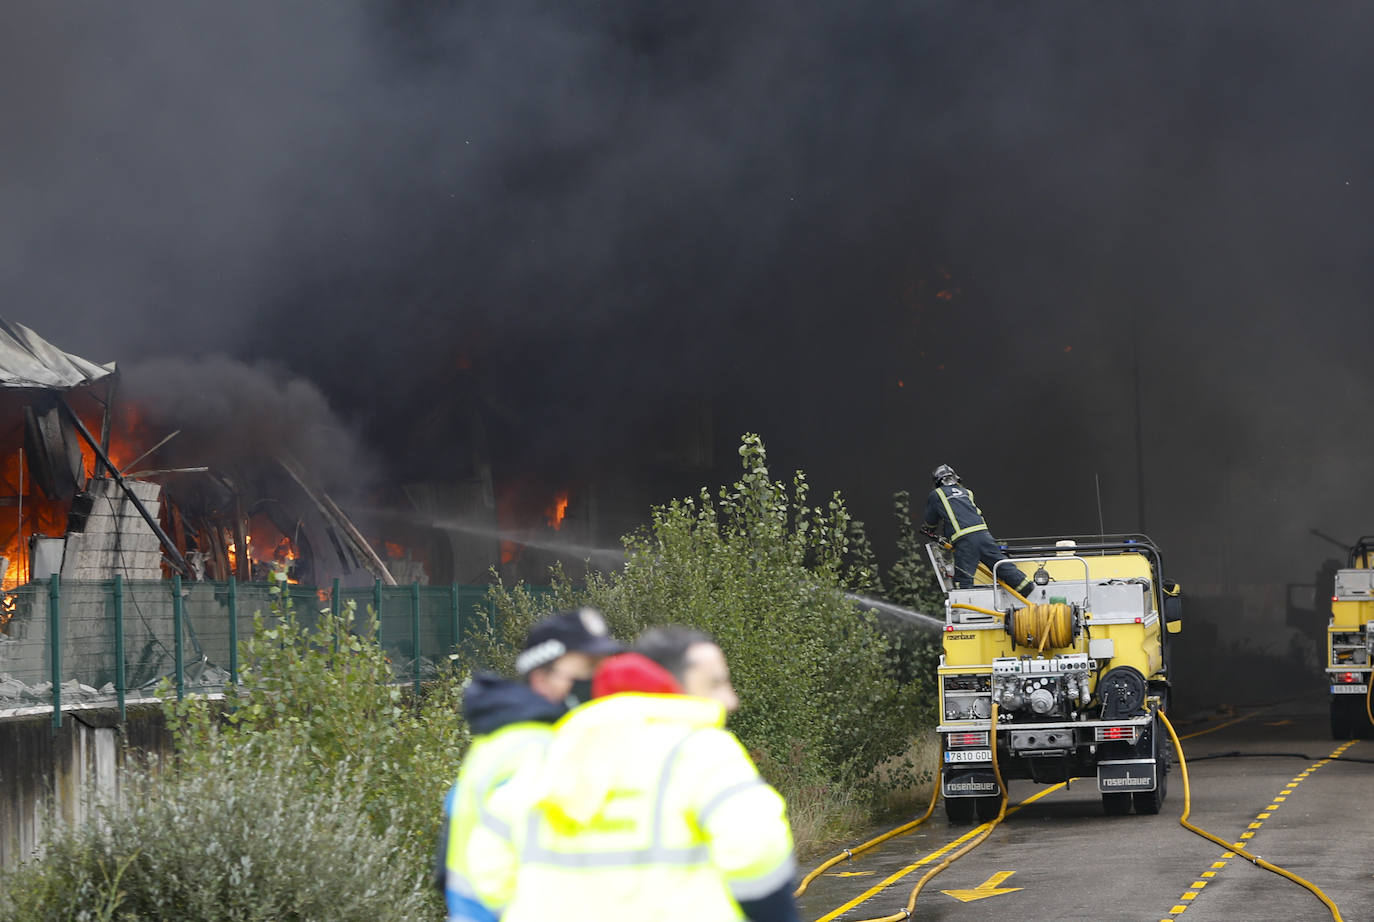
(1069,248)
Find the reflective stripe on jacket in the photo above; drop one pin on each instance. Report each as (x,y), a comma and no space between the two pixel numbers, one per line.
(644,808)
(490,762)
(956,507)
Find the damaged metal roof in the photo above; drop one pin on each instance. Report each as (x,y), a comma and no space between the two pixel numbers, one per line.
(27,360)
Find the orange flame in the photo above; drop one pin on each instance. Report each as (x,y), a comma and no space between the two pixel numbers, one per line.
(557,511)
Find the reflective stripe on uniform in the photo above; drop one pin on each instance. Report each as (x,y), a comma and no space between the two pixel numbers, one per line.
(655,853)
(714,803)
(761,886)
(485,818)
(956,531)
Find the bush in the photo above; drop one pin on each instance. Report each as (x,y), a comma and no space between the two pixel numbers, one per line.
(241,841)
(763,571)
(325,698)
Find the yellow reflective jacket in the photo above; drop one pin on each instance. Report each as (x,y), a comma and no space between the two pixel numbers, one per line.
(490,762)
(644,808)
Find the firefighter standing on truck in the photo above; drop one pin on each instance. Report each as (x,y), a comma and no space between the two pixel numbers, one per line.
(951,507)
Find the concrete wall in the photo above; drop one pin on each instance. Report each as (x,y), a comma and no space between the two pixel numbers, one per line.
(49,777)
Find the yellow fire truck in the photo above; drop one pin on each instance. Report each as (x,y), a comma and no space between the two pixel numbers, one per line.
(1078,668)
(1350,642)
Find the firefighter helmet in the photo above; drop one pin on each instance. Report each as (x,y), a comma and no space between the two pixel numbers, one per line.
(944,476)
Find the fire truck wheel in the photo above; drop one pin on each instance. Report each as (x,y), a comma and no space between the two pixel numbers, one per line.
(1148,803)
(1116,804)
(988,807)
(960,809)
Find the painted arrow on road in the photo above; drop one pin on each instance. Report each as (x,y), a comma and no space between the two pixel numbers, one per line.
(984,890)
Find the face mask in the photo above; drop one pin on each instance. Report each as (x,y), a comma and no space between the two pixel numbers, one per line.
(580,693)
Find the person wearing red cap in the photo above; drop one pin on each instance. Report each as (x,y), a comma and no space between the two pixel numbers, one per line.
(511,723)
(645,807)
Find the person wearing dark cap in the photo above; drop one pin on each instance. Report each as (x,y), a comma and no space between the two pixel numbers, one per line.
(645,806)
(511,722)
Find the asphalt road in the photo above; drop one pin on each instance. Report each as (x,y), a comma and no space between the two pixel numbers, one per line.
(1059,858)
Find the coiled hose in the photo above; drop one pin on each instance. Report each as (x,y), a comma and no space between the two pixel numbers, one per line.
(1043,625)
(1232,847)
(905,913)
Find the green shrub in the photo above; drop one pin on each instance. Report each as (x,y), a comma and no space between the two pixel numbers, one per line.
(326,697)
(763,571)
(244,840)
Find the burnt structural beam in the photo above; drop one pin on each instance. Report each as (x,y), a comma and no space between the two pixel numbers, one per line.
(173,554)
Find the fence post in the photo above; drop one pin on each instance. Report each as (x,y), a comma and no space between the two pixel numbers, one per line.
(453,613)
(415,636)
(334,609)
(180,654)
(55,643)
(233,593)
(119,641)
(377,606)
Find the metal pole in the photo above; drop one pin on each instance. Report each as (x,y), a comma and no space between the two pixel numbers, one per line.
(172,551)
(1139,434)
(377,606)
(55,643)
(21,576)
(415,636)
(453,614)
(334,609)
(233,630)
(119,640)
(176,627)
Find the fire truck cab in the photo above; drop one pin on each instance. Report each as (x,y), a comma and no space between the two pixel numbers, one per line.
(1350,642)
(1078,668)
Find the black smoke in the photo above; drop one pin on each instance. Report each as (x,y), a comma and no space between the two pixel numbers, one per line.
(883,234)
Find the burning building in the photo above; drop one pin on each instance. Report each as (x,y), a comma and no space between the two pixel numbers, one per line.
(88,499)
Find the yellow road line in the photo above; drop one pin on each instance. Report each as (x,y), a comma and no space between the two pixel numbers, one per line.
(1253,827)
(883,885)
(1220,726)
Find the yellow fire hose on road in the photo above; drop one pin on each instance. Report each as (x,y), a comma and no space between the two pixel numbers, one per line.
(905,913)
(849,853)
(1229,846)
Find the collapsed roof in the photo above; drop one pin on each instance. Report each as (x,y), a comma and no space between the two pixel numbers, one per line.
(28,361)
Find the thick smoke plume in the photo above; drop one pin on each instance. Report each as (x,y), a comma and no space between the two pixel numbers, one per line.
(239,417)
(884,234)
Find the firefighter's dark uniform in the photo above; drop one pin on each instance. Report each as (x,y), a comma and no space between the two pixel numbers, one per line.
(952,507)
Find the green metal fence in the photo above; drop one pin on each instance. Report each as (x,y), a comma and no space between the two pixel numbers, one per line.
(67,641)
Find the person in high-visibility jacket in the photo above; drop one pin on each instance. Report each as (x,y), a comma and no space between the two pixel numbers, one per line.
(645,807)
(951,507)
(511,722)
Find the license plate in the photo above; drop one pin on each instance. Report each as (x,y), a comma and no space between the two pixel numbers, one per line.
(968,755)
(1349,689)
